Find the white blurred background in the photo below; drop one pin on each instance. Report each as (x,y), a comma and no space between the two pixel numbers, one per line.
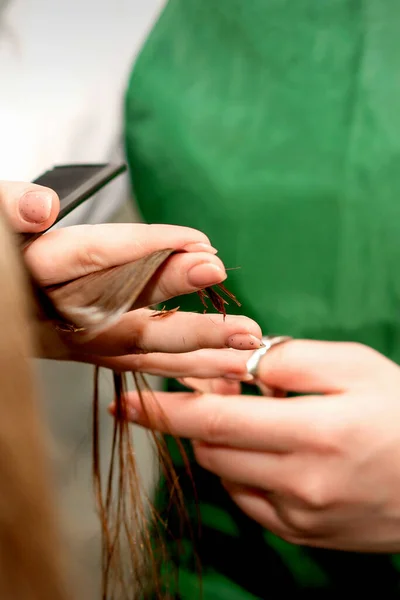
(64,66)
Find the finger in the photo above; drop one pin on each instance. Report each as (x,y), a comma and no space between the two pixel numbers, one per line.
(218,385)
(254,423)
(28,207)
(255,504)
(82,249)
(142,331)
(204,364)
(182,274)
(322,367)
(267,471)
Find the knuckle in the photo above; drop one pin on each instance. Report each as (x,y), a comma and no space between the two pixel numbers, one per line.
(249,325)
(243,320)
(337,434)
(133,346)
(88,256)
(326,440)
(90,260)
(216,426)
(361,354)
(200,338)
(313,492)
(133,334)
(371,365)
(301,524)
(139,362)
(332,431)
(164,287)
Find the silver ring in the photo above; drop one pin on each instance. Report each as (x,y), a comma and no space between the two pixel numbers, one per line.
(269,341)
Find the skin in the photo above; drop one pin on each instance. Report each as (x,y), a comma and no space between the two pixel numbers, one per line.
(68,253)
(321,469)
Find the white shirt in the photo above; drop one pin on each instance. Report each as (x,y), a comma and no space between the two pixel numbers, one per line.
(64,67)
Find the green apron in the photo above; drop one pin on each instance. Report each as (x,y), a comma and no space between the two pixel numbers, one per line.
(274,127)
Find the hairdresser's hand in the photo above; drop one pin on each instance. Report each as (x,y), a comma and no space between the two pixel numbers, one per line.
(69,253)
(29,208)
(72,252)
(321,469)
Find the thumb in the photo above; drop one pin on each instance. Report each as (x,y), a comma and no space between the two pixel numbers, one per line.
(317,367)
(29,208)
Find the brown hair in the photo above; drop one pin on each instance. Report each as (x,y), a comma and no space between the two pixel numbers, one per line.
(126,516)
(31,561)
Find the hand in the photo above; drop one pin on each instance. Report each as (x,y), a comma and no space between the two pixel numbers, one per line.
(29,208)
(321,469)
(69,253)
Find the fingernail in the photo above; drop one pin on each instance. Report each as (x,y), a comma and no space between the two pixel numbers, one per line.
(244,341)
(199,247)
(237,377)
(205,275)
(35,207)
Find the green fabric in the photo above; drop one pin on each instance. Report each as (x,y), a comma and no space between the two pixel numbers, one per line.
(274,126)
